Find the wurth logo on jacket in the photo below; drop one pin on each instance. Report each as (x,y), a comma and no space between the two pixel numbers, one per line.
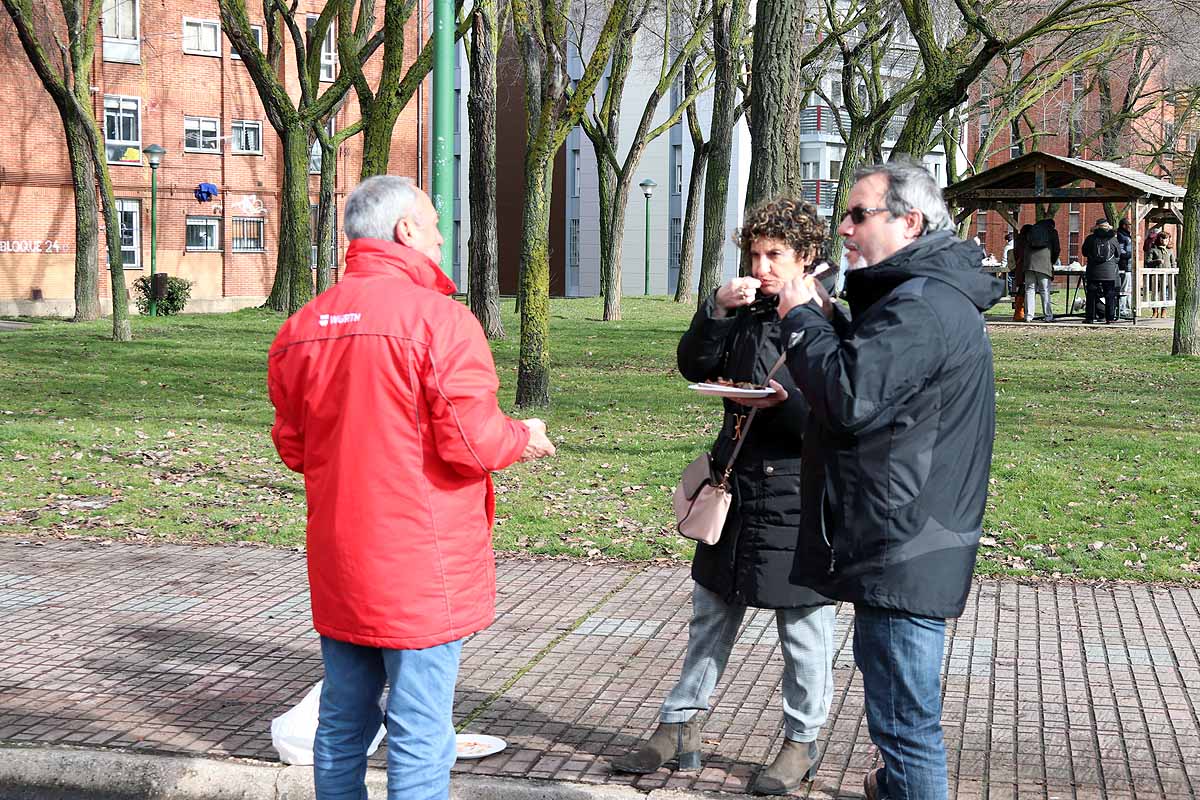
(391,415)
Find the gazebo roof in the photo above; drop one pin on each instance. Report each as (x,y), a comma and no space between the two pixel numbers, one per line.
(1039,177)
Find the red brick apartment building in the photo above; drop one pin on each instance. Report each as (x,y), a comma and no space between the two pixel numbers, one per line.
(165,74)
(1066,119)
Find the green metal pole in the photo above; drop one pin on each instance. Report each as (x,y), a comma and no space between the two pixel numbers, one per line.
(443,125)
(153,237)
(646,285)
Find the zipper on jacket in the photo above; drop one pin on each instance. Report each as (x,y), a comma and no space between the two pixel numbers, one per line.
(825,535)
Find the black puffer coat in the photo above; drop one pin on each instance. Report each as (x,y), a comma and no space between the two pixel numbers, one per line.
(899,443)
(750,564)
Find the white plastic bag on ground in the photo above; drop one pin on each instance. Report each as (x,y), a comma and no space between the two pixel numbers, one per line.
(293,732)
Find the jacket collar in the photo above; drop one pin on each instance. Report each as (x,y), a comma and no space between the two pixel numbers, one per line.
(379,257)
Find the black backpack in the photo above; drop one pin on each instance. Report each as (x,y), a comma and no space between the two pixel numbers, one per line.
(1039,238)
(1106,250)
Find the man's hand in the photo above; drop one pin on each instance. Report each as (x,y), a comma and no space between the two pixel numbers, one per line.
(539,445)
(738,292)
(766,402)
(804,288)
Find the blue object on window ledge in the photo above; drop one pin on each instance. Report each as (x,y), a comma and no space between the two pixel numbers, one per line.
(206,192)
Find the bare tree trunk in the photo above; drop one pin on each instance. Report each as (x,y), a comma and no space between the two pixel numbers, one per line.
(533,365)
(776,100)
(293,283)
(610,259)
(325,215)
(87,223)
(112,235)
(728,28)
(483,259)
(687,248)
(1186,341)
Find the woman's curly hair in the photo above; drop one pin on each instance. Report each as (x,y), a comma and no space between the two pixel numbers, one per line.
(788,220)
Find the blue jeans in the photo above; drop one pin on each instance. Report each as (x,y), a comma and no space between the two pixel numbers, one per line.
(420,734)
(900,658)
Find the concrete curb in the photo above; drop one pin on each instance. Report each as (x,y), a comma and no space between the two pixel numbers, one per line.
(57,773)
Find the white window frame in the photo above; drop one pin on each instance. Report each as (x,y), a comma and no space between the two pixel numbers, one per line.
(576,171)
(202,23)
(125,206)
(235,139)
(208,221)
(199,122)
(677,178)
(809,170)
(125,144)
(257,31)
(329,56)
(119,48)
(262,235)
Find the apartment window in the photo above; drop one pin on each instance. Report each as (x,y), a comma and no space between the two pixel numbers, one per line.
(314,152)
(256,32)
(675,243)
(457,176)
(454,243)
(328,51)
(573,246)
(985,124)
(1077,85)
(835,170)
(1191,142)
(129,212)
(123,129)
(203,234)
(677,157)
(247,136)
(835,93)
(1073,228)
(201,135)
(808,170)
(937,172)
(981,223)
(576,172)
(313,212)
(202,37)
(248,235)
(120,25)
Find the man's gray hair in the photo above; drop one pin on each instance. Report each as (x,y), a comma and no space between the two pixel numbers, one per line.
(377,204)
(911,187)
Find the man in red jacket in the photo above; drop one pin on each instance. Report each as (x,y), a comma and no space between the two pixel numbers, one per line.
(385,399)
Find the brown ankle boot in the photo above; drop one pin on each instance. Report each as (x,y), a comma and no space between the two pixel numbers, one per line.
(796,763)
(669,740)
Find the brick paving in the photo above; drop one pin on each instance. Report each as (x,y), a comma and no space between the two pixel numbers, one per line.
(1052,691)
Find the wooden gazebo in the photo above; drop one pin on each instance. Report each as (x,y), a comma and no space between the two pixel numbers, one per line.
(1046,178)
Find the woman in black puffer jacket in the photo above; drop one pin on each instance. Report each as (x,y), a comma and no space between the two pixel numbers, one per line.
(735,335)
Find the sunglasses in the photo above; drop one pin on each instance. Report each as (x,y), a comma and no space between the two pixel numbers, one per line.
(858,215)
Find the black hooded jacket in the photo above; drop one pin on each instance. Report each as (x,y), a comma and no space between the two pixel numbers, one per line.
(898,447)
(1103,254)
(750,563)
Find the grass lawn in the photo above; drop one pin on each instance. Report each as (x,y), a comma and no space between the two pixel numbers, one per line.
(1096,471)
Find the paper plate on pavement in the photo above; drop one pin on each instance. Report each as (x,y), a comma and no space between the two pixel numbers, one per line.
(720,390)
(478,745)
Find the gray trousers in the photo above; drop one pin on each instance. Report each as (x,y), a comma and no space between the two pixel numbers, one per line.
(1042,284)
(806,639)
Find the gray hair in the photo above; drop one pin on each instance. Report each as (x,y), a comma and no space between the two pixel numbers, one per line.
(377,204)
(911,188)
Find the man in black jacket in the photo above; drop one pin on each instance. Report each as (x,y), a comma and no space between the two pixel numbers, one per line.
(1103,254)
(897,454)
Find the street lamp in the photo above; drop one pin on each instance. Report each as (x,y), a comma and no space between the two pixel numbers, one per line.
(154,154)
(648,190)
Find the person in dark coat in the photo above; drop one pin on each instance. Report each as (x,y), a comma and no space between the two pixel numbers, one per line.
(896,454)
(1103,254)
(735,335)
(1125,244)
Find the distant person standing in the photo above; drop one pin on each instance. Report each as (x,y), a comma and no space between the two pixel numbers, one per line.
(1103,254)
(1042,250)
(1125,243)
(385,400)
(1161,257)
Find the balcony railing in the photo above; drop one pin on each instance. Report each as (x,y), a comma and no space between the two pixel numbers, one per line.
(818,119)
(820,193)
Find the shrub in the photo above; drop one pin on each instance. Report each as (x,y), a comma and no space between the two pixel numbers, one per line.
(178,293)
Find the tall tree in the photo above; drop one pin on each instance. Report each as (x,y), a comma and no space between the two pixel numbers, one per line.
(483,251)
(68,81)
(691,211)
(604,126)
(729,24)
(551,110)
(293,120)
(1186,341)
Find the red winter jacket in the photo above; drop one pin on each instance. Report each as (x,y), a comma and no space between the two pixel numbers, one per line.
(385,399)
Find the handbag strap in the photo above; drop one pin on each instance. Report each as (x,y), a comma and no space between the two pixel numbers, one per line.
(745,430)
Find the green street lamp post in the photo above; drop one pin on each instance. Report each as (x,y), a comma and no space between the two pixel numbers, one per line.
(443,125)
(648,190)
(154,154)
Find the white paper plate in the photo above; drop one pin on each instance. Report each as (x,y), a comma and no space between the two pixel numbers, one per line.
(477,745)
(717,390)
